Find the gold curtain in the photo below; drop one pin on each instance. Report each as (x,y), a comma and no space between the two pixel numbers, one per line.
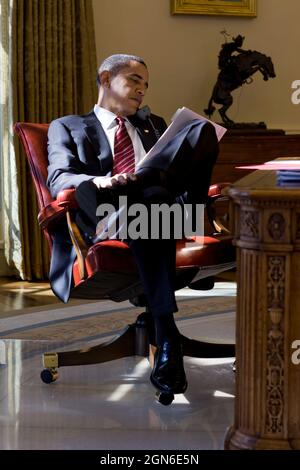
(53,74)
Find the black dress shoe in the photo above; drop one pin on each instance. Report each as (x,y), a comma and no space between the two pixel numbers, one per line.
(168,373)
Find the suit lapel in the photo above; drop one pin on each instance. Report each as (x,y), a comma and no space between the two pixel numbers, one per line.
(98,139)
(145,132)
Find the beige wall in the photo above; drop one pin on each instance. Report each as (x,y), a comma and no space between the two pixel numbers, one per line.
(181,52)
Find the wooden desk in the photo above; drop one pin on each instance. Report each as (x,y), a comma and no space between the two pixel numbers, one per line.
(267,235)
(238,148)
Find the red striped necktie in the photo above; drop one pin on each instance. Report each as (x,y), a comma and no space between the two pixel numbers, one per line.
(123,150)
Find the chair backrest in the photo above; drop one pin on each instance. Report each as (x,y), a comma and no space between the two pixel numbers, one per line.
(34,139)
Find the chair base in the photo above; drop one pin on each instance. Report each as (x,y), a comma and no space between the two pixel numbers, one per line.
(133,341)
(196,348)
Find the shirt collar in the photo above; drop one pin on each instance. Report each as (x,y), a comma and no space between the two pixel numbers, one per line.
(106,117)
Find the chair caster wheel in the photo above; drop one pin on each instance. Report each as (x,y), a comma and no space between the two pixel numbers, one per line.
(49,375)
(165,398)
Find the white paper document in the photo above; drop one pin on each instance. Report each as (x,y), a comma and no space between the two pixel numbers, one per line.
(182,117)
(292,161)
(284,164)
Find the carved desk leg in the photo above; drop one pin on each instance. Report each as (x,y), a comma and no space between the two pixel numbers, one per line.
(267,403)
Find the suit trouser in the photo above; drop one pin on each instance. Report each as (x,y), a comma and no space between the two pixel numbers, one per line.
(186,165)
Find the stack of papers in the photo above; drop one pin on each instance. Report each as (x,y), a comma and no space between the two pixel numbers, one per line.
(289,176)
(182,117)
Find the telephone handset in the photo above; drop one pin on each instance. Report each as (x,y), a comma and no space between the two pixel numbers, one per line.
(144,113)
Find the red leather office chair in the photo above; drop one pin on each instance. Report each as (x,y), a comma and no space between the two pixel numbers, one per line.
(108,269)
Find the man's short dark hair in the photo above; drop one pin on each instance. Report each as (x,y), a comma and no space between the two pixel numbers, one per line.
(117,62)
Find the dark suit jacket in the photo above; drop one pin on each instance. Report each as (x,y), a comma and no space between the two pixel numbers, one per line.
(78,150)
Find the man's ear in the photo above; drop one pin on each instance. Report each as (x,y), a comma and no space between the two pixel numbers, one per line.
(105,78)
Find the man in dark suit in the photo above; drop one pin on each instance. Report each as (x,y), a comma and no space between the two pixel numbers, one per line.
(84,153)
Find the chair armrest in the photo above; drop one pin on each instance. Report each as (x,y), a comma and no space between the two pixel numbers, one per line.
(50,214)
(216,192)
(66,198)
(62,207)
(57,209)
(79,244)
(67,201)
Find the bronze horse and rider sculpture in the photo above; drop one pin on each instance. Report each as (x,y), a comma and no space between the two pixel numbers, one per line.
(235,71)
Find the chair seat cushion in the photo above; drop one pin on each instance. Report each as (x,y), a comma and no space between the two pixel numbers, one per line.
(204,251)
(116,257)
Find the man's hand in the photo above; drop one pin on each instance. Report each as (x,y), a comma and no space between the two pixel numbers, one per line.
(109,182)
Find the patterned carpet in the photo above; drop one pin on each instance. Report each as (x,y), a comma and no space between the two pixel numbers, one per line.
(96,319)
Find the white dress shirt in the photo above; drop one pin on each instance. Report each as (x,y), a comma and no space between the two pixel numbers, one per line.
(106,227)
(110,125)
